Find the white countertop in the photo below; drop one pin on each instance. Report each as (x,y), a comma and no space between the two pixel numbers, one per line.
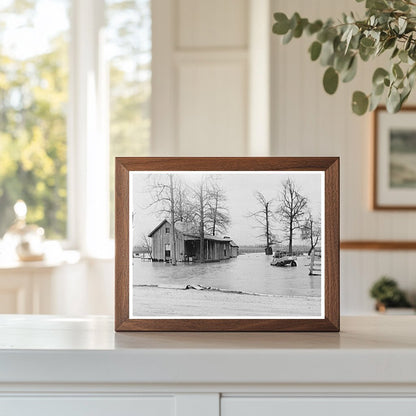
(52,349)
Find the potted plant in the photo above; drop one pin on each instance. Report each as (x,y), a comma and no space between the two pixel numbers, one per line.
(387,294)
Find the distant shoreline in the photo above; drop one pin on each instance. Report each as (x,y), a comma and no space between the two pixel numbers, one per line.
(158,301)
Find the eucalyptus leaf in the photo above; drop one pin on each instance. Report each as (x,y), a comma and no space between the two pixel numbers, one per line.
(393,101)
(389,43)
(397,71)
(376,4)
(314,27)
(340,62)
(281,26)
(374,102)
(379,75)
(403,56)
(327,54)
(359,103)
(395,52)
(298,30)
(350,73)
(404,96)
(330,80)
(315,50)
(378,89)
(288,37)
(367,42)
(402,22)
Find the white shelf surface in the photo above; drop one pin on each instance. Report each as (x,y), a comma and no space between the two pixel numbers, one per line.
(53,349)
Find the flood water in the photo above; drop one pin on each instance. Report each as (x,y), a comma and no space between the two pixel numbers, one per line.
(250,273)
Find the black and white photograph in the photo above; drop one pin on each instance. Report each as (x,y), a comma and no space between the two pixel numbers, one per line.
(227,244)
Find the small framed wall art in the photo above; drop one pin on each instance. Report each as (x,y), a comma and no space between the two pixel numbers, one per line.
(227,244)
(394,150)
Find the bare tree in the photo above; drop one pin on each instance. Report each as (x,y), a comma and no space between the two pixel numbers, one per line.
(147,245)
(291,210)
(218,218)
(201,208)
(183,206)
(264,217)
(163,189)
(311,231)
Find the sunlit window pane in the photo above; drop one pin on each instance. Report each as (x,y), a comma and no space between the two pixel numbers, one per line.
(33,104)
(129,45)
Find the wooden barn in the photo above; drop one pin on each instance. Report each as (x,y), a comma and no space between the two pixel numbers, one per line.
(234,249)
(188,244)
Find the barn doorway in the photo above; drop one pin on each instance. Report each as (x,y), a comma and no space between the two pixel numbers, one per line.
(167,252)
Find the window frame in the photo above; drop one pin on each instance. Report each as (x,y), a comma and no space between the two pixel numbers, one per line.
(87,133)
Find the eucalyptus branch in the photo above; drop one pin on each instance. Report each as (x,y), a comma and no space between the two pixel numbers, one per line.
(389,26)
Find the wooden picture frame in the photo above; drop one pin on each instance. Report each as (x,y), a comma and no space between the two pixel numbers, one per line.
(132,167)
(390,191)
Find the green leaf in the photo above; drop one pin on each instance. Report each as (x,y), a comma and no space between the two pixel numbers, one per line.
(359,103)
(281,27)
(288,37)
(314,27)
(330,80)
(294,20)
(367,42)
(379,75)
(378,89)
(402,24)
(327,53)
(395,52)
(389,43)
(351,71)
(400,5)
(403,56)
(315,50)
(298,30)
(403,96)
(374,101)
(376,4)
(397,71)
(393,101)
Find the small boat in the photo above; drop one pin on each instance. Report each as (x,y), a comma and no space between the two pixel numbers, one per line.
(282,259)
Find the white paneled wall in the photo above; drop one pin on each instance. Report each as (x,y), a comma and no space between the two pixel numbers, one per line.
(308,122)
(203,67)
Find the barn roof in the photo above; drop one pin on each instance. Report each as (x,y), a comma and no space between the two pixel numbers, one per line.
(187,230)
(233,244)
(160,225)
(209,237)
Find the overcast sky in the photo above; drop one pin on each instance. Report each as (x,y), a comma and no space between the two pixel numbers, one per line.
(240,189)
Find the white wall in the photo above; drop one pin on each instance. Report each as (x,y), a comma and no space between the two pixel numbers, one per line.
(200,77)
(308,122)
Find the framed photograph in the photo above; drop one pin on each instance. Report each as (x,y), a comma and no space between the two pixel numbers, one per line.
(394,179)
(227,244)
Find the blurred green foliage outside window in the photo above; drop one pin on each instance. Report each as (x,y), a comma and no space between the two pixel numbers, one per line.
(33,101)
(34,91)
